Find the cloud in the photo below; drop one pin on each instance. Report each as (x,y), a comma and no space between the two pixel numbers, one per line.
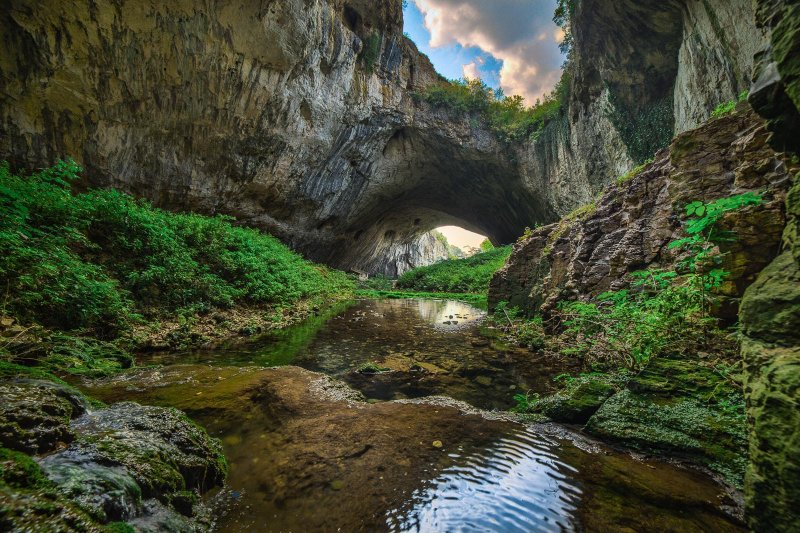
(520,33)
(470,71)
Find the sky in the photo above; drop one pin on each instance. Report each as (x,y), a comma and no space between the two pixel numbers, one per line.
(461,237)
(509,44)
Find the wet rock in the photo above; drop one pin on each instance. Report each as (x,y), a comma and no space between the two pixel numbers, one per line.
(35,415)
(678,408)
(157,448)
(578,404)
(111,462)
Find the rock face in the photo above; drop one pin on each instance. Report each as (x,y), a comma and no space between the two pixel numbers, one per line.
(144,465)
(770,311)
(296,116)
(629,227)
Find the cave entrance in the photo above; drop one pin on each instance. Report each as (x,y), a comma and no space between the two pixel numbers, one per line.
(462,242)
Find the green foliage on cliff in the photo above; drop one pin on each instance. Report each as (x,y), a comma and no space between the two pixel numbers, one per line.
(664,311)
(644,129)
(726,108)
(507,116)
(563,18)
(371,52)
(100,259)
(470,275)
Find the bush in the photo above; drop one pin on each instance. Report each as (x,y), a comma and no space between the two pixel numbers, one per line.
(98,260)
(470,275)
(726,108)
(506,116)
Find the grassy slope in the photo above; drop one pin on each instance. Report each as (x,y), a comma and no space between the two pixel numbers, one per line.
(470,275)
(78,268)
(100,260)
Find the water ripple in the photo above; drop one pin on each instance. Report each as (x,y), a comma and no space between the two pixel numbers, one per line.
(516,485)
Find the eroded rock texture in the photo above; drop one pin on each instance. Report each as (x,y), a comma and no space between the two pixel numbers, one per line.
(630,225)
(146,465)
(296,116)
(770,312)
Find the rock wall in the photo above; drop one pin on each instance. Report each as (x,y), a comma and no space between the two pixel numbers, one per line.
(770,311)
(296,116)
(630,225)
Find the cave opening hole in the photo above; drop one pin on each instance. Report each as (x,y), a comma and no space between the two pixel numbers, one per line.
(462,242)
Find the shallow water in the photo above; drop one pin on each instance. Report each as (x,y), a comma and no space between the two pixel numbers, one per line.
(304,462)
(431,346)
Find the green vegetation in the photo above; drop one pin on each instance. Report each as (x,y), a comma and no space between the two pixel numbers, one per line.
(372,368)
(579,213)
(664,311)
(506,116)
(470,275)
(563,17)
(625,178)
(371,51)
(725,108)
(101,260)
(644,129)
(486,246)
(478,300)
(665,377)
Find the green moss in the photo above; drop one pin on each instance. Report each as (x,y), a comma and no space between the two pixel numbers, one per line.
(644,130)
(578,402)
(11,370)
(119,527)
(372,368)
(576,215)
(621,180)
(21,471)
(677,407)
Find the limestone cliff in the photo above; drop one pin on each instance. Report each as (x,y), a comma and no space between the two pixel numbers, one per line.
(296,116)
(630,225)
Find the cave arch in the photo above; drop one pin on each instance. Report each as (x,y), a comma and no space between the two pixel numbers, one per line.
(427,177)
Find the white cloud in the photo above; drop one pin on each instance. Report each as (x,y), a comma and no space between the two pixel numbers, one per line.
(470,71)
(520,33)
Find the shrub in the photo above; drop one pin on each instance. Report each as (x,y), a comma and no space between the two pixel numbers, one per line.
(98,260)
(470,275)
(372,51)
(726,108)
(506,116)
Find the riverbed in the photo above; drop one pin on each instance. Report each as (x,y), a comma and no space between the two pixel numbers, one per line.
(390,415)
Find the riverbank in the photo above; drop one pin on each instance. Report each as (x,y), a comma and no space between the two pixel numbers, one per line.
(92,279)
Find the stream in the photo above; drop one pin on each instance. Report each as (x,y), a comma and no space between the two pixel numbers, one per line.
(430,449)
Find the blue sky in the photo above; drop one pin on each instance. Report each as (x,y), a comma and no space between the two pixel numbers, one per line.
(511,44)
(449,60)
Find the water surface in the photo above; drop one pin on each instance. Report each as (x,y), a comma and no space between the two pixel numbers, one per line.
(301,461)
(430,347)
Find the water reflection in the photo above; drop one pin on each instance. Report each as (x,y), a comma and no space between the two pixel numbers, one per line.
(431,347)
(517,484)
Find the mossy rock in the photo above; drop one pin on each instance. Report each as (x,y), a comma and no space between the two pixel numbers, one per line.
(674,378)
(19,470)
(159,448)
(41,510)
(35,415)
(684,427)
(577,404)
